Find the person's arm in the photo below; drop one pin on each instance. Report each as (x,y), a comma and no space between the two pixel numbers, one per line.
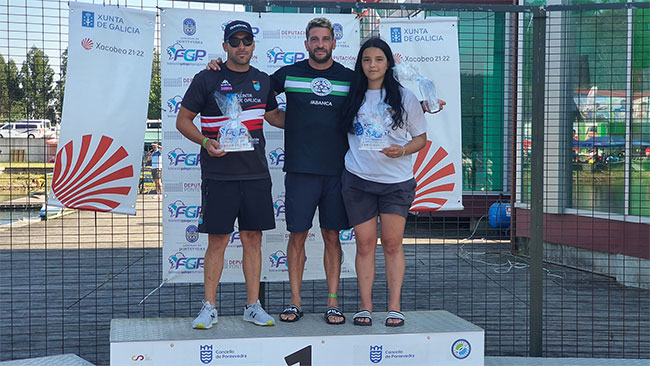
(397,151)
(275,117)
(187,128)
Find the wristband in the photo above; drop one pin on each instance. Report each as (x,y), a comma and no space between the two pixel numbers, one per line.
(403,150)
(204,141)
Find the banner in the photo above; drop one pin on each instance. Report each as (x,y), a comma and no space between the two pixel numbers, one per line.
(104,109)
(190,38)
(431,45)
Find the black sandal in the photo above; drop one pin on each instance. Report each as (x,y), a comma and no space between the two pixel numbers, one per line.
(395,315)
(334,311)
(291,310)
(362,314)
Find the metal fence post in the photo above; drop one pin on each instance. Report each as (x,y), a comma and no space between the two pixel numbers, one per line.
(537,183)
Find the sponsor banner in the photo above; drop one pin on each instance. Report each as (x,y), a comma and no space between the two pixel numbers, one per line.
(189,39)
(445,348)
(100,147)
(431,45)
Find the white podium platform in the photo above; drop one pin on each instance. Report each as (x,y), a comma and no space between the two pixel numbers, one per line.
(67,359)
(427,338)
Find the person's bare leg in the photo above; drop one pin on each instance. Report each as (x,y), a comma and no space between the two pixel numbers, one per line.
(366,238)
(213,265)
(296,264)
(332,264)
(392,232)
(252,263)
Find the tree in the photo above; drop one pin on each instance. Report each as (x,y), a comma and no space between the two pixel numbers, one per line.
(15,95)
(59,90)
(4,93)
(154,90)
(38,85)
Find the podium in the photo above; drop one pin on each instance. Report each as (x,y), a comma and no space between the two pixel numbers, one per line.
(427,338)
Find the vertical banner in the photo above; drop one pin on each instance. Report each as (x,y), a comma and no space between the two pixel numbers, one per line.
(104,109)
(190,38)
(431,45)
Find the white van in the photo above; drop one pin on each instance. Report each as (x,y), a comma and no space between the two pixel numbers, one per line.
(29,128)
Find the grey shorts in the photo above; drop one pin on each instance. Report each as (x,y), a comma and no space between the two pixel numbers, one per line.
(365,199)
(155,173)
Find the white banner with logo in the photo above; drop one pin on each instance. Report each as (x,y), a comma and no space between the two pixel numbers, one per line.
(190,38)
(431,45)
(105,108)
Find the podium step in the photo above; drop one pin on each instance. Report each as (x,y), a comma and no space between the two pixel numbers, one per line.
(427,338)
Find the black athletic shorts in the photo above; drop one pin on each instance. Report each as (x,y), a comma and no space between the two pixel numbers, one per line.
(365,199)
(305,192)
(248,201)
(155,173)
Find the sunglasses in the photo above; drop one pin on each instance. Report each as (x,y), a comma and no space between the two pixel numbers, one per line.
(234,42)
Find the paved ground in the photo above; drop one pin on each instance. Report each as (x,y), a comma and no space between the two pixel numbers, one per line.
(63,280)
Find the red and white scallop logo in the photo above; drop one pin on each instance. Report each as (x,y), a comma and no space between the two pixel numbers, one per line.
(93,175)
(87,43)
(433,169)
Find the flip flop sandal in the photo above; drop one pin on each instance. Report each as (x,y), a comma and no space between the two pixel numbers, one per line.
(334,311)
(363,314)
(289,310)
(395,315)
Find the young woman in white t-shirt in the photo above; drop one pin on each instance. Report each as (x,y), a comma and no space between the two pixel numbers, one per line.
(380,184)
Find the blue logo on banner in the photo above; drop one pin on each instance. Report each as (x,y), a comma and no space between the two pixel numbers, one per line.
(461,349)
(376,354)
(192,233)
(277,259)
(189,26)
(338,31)
(88,19)
(206,354)
(396,35)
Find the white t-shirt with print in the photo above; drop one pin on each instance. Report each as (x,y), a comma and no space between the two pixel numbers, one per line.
(374,165)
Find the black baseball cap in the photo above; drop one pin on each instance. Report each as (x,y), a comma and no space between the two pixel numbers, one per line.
(236,26)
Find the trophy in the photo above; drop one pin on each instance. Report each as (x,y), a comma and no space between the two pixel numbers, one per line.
(403,71)
(233,136)
(372,126)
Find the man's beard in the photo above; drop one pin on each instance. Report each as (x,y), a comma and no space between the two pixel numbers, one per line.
(325,59)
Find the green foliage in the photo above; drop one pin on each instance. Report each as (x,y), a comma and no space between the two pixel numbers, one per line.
(60,85)
(154,90)
(38,85)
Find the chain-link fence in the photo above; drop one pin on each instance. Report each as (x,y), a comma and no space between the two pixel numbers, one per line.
(568,278)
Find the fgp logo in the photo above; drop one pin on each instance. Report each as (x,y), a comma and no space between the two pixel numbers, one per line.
(277,157)
(88,19)
(178,260)
(235,237)
(338,31)
(376,354)
(191,233)
(178,208)
(276,55)
(205,353)
(346,235)
(189,26)
(277,259)
(278,209)
(395,35)
(178,157)
(461,349)
(176,52)
(174,104)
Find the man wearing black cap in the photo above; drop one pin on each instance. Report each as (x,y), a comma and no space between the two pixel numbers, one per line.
(234,185)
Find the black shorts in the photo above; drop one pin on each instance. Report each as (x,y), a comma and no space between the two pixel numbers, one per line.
(155,173)
(365,199)
(305,192)
(248,201)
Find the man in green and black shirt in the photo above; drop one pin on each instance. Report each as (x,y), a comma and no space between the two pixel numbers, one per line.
(314,150)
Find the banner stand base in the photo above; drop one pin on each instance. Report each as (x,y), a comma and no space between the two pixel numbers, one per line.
(427,338)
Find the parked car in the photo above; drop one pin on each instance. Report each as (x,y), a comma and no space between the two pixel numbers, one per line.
(31,128)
